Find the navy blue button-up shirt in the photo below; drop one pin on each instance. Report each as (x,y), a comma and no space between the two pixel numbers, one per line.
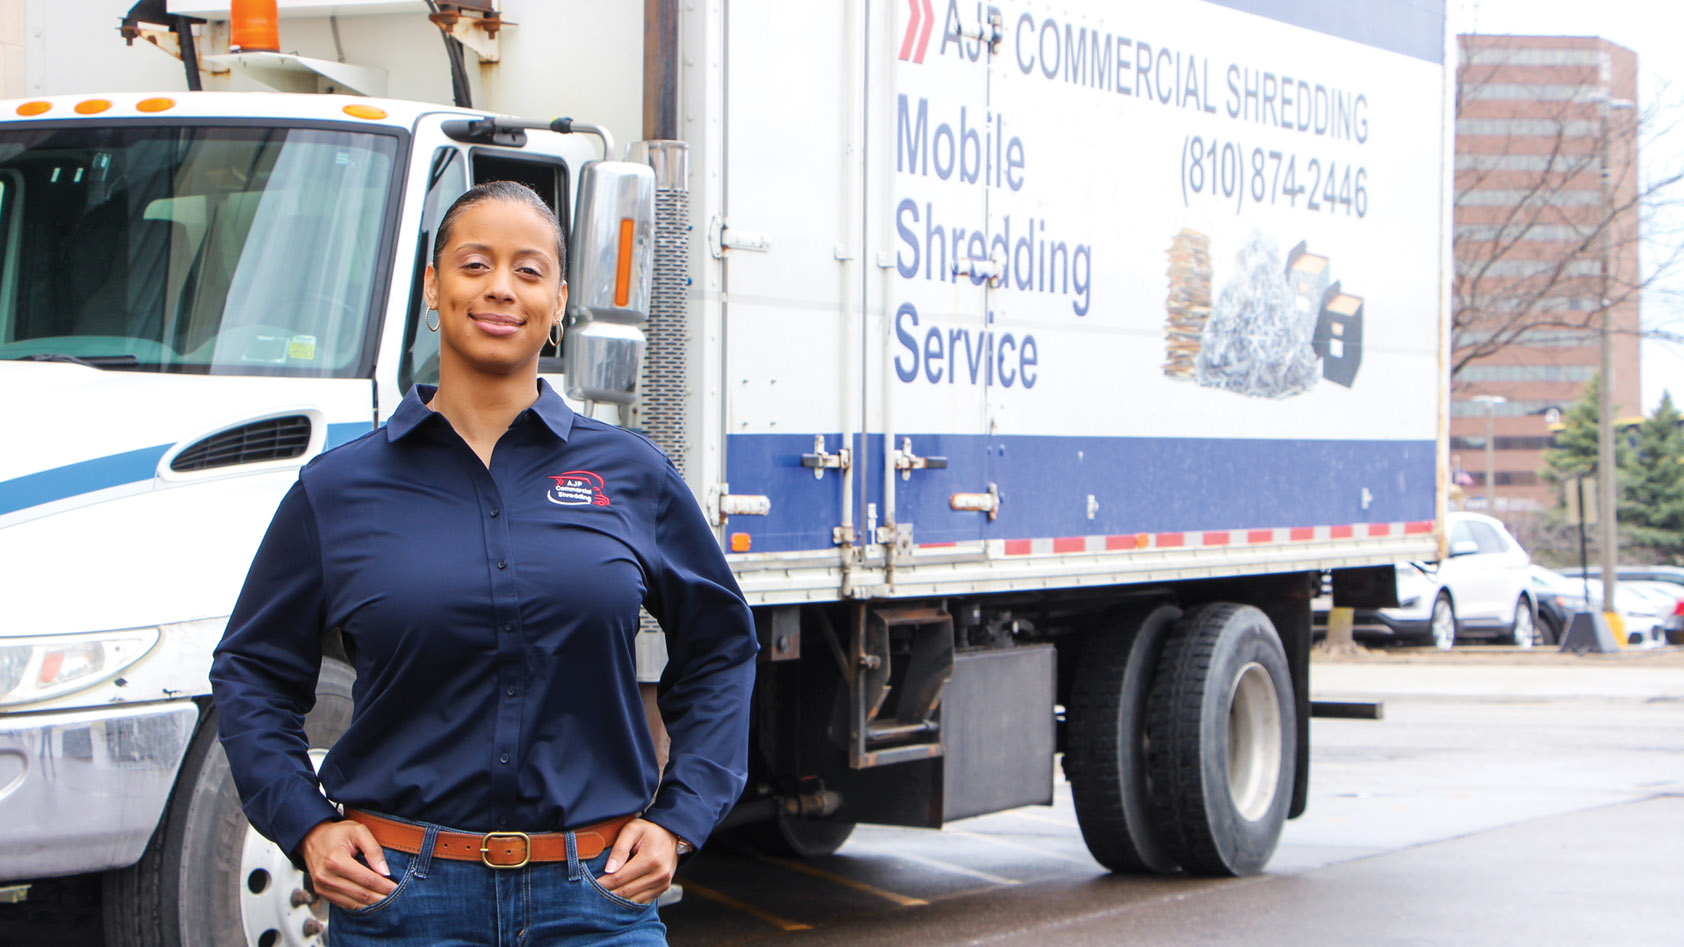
(490,615)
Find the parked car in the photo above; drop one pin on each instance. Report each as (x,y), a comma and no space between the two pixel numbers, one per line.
(1670,574)
(1643,611)
(1663,579)
(1558,598)
(1482,590)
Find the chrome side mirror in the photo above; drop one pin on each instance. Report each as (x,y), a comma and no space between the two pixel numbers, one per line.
(611,264)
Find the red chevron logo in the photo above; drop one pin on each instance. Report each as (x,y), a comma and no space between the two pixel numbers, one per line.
(917,30)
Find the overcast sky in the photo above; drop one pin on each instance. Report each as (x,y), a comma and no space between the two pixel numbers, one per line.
(1653,30)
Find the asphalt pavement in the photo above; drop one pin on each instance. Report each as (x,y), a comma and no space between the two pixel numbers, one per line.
(1504,798)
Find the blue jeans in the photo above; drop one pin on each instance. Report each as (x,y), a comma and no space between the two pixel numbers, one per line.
(444,903)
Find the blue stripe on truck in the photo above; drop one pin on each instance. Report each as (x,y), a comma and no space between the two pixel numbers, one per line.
(85,476)
(1138,484)
(115,470)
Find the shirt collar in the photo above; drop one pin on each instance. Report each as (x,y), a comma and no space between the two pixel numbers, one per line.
(413,410)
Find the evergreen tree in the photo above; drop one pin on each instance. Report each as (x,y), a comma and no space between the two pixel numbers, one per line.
(1652,494)
(1575,451)
(1576,454)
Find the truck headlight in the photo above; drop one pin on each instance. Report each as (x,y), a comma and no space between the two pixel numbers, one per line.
(35,669)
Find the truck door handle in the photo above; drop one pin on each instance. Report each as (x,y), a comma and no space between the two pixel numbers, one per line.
(906,461)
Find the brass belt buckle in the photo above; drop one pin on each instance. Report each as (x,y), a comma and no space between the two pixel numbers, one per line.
(485,849)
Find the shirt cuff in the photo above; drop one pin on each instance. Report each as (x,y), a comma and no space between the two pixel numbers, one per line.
(685,822)
(296,818)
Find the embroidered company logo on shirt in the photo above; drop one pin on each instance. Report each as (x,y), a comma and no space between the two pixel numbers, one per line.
(578,488)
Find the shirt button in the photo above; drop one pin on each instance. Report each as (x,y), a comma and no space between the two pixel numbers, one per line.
(502,563)
(503,759)
(508,626)
(494,512)
(502,821)
(510,692)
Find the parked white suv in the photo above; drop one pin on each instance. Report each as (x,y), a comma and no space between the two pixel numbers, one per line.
(1481,590)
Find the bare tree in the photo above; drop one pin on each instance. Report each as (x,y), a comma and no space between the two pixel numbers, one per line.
(1551,209)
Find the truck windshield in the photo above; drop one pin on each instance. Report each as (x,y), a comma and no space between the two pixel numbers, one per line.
(225,250)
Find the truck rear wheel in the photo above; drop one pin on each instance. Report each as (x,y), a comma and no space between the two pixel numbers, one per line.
(1105,754)
(1222,735)
(789,836)
(206,878)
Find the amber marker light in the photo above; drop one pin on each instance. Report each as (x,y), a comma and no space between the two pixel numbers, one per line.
(622,276)
(154,105)
(365,111)
(92,106)
(34,108)
(740,542)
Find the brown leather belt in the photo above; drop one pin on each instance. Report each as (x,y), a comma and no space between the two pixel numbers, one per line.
(493,849)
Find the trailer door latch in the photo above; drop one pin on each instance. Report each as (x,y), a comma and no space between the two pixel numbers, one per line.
(906,461)
(820,460)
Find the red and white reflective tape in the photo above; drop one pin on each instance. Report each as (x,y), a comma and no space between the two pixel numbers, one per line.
(1205,539)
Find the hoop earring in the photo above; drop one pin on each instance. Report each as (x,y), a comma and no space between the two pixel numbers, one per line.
(432,319)
(555,335)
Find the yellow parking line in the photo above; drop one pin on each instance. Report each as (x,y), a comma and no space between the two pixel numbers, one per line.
(782,923)
(905,901)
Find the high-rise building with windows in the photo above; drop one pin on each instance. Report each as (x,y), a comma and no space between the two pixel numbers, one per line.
(1546,240)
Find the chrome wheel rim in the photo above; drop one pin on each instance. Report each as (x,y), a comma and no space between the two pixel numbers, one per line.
(1444,625)
(274,907)
(1254,742)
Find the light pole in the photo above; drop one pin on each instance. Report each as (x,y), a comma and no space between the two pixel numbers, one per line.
(1491,402)
(1606,475)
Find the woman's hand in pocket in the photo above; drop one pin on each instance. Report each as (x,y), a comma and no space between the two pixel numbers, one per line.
(330,853)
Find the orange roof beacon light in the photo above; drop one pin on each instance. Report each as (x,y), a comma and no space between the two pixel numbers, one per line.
(159,104)
(34,108)
(92,106)
(371,112)
(254,26)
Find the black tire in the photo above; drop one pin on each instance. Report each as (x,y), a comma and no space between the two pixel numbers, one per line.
(190,884)
(1105,748)
(1222,737)
(787,836)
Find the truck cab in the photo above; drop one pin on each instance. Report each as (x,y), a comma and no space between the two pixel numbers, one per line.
(198,293)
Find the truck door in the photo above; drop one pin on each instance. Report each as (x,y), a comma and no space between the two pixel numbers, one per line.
(938,346)
(441,170)
(787,232)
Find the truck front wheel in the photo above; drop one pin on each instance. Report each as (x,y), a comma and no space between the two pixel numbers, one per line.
(1105,755)
(206,878)
(1222,737)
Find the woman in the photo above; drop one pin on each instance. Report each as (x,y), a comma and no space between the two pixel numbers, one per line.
(484,556)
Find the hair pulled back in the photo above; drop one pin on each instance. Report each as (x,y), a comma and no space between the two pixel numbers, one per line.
(512,192)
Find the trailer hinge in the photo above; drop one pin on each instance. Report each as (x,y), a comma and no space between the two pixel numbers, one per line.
(722,236)
(820,461)
(981,268)
(906,461)
(977,502)
(991,31)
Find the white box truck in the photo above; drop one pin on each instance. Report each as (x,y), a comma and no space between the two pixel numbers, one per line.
(1037,361)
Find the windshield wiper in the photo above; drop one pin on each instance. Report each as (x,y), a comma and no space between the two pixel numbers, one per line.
(92,361)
